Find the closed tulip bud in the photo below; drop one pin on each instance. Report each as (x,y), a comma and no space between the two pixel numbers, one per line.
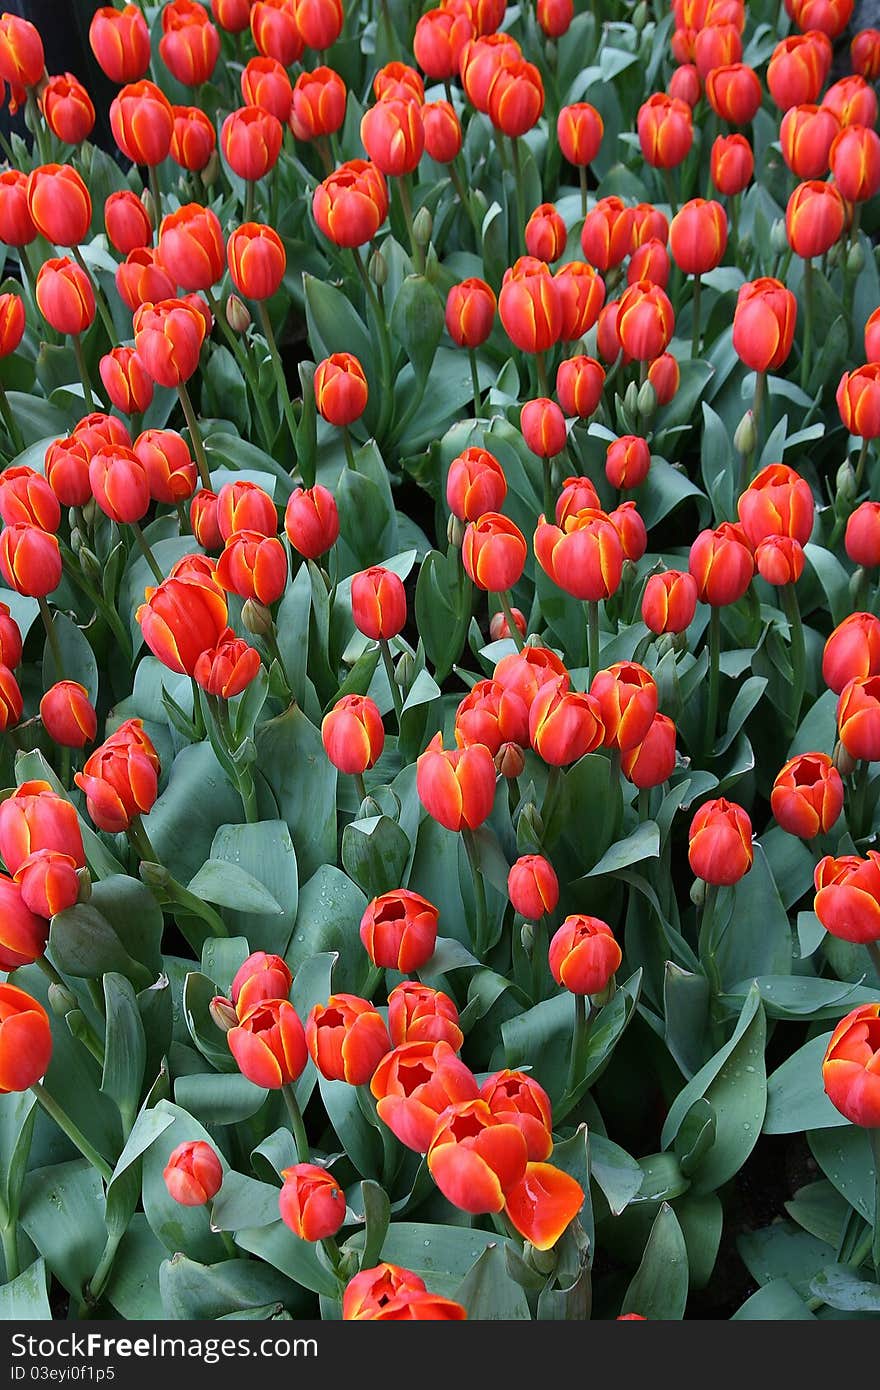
(778,502)
(378,603)
(579,129)
(530,306)
(627,699)
(533,887)
(440,36)
(168,338)
(845,487)
(399,931)
(194,142)
(494,552)
(125,380)
(10,639)
(807,796)
(203,519)
(30,560)
(269,1044)
(11,702)
(585,558)
(221,1010)
(645,321)
(340,389)
(649,261)
(698,236)
(858,400)
(851,1066)
(311,521)
(346,1039)
(265,83)
(65,296)
(142,122)
(317,104)
(352,734)
(492,716)
(581,293)
(763,324)
(665,129)
(12,322)
(25,1040)
(68,715)
(685,84)
(864,51)
(470,312)
(27,499)
(852,650)
(227,669)
(631,529)
(475,1158)
(414,1084)
(351,204)
(275,30)
(181,619)
(23,932)
(190,44)
(847,900)
(515,99)
(257,261)
(545,233)
(311,1202)
(732,164)
(584,955)
(745,435)
(475,484)
(254,566)
(237,314)
(579,382)
(814,218)
(120,40)
(858,717)
(564,724)
(862,539)
(720,842)
(443,137)
(250,139)
(855,260)
(193,1173)
(456,786)
(510,761)
(627,461)
(97,429)
(806,135)
(245,506)
(50,882)
(120,780)
(733,90)
(716,46)
(780,560)
(607,233)
(543,427)
(796,71)
(721,563)
(419,1014)
(853,101)
(262,976)
(554,16)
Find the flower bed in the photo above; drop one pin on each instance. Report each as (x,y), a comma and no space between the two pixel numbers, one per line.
(440,676)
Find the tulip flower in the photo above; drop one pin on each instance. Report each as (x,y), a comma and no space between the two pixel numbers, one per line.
(720,842)
(527,671)
(491,715)
(346,1039)
(120,779)
(456,786)
(262,976)
(858,717)
(518,1099)
(68,714)
(415,1084)
(399,931)
(418,1013)
(532,886)
(851,1067)
(579,382)
(390,1294)
(23,932)
(193,1173)
(494,552)
(120,41)
(475,1158)
(25,1040)
(543,1204)
(732,164)
(311,1202)
(352,203)
(580,292)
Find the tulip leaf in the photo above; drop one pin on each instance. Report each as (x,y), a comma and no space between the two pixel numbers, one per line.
(783,1251)
(77,657)
(17,1115)
(296,1258)
(226,883)
(441,1255)
(643,843)
(377,1216)
(62,1210)
(196,801)
(844,1155)
(659,1288)
(488,1292)
(125,1047)
(375,852)
(25,1298)
(244,1202)
(616,1172)
(327,921)
(193,1290)
(178,1227)
(775,1302)
(218,1099)
(840,1287)
(291,757)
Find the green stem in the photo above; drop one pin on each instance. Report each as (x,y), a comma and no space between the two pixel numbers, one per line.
(157,193)
(539,958)
(245,367)
(475,381)
(481,944)
(349,451)
(52,975)
(82,368)
(541,374)
(808,323)
(9,1237)
(520,196)
(360,786)
(228,1242)
(873,949)
(278,369)
(578,1037)
(297,1124)
(593,636)
(671,195)
(100,301)
(249,201)
(98,1281)
(52,638)
(707,943)
(748,460)
(418,252)
(380,329)
(36,122)
(10,422)
(582,173)
(798,651)
(144,547)
(860,464)
(195,435)
(388,663)
(695,336)
(714,681)
(547,468)
(861,778)
(73,1132)
(516,636)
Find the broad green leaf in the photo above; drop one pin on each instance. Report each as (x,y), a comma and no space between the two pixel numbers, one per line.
(840,1287)
(291,757)
(194,1291)
(659,1288)
(489,1293)
(62,1210)
(125,1047)
(24,1299)
(796,1098)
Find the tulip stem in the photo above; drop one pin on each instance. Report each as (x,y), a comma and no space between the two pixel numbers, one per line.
(249,201)
(515,634)
(708,944)
(714,681)
(578,1038)
(695,309)
(156,192)
(245,367)
(520,196)
(50,972)
(52,638)
(475,381)
(797,652)
(418,252)
(195,436)
(582,173)
(144,547)
(83,370)
(748,460)
(539,958)
(808,323)
(10,422)
(861,777)
(100,301)
(481,944)
(380,327)
(73,1132)
(278,369)
(670,191)
(9,1237)
(360,786)
(593,636)
(349,451)
(297,1124)
(388,663)
(860,463)
(547,467)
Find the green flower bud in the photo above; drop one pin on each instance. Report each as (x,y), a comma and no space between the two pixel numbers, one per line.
(61,1000)
(779,237)
(237,314)
(256,618)
(423,226)
(378,268)
(855,259)
(646,404)
(745,435)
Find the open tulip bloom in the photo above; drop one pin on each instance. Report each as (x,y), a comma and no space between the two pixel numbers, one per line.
(440,662)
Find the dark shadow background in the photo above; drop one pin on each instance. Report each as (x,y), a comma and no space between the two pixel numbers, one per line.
(64,29)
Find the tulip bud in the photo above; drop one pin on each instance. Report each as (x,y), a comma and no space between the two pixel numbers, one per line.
(378,268)
(423,226)
(646,403)
(527,936)
(631,400)
(779,237)
(844,761)
(237,314)
(256,618)
(855,259)
(223,1013)
(85,885)
(640,16)
(834,254)
(698,892)
(745,435)
(61,1000)
(845,483)
(403,672)
(510,760)
(211,171)
(455,530)
(531,822)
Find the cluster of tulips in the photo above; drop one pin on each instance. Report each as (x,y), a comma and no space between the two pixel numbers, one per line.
(590,323)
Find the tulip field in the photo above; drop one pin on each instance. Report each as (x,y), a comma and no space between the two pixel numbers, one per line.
(440,662)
